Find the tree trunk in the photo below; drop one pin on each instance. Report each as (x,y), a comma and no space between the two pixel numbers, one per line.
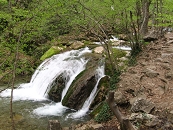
(145,16)
(124,122)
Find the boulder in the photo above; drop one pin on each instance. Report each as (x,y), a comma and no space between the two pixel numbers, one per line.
(52,51)
(82,86)
(80,89)
(142,105)
(57,87)
(151,36)
(145,119)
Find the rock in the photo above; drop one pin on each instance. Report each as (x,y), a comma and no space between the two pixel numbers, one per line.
(82,85)
(77,45)
(158,60)
(132,100)
(142,105)
(80,89)
(52,51)
(96,126)
(54,125)
(151,73)
(99,50)
(119,98)
(151,36)
(123,59)
(90,127)
(123,37)
(166,66)
(170,41)
(169,75)
(102,89)
(131,70)
(148,119)
(57,87)
(118,43)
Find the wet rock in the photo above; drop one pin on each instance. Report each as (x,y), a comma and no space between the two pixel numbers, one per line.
(82,85)
(142,105)
(103,88)
(151,73)
(57,87)
(80,89)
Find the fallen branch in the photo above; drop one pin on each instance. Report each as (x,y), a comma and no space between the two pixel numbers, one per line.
(125,124)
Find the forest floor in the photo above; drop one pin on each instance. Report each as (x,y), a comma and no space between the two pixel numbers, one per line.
(145,90)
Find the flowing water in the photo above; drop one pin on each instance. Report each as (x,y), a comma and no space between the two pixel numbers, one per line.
(32,107)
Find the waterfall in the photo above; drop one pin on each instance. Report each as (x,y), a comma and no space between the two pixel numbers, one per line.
(70,64)
(87,103)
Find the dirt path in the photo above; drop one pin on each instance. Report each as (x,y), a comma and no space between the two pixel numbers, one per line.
(151,79)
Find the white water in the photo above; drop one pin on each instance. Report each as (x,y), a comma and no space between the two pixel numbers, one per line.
(70,64)
(85,107)
(125,48)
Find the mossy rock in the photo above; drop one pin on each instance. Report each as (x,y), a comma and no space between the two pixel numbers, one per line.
(103,88)
(58,85)
(96,110)
(52,51)
(83,84)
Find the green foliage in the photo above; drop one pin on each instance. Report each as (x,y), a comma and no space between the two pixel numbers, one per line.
(104,114)
(114,80)
(118,53)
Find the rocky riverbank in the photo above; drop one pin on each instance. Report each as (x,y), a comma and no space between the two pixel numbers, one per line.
(144,92)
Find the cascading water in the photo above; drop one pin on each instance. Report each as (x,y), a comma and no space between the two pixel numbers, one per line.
(85,107)
(69,63)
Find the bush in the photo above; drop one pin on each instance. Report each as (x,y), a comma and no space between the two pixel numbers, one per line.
(104,114)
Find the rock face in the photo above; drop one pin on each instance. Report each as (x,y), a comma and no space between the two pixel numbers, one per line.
(83,85)
(80,89)
(57,88)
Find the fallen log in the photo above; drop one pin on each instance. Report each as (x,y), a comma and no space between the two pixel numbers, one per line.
(125,124)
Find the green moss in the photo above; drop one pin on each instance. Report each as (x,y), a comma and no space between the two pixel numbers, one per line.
(71,88)
(118,53)
(96,110)
(52,51)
